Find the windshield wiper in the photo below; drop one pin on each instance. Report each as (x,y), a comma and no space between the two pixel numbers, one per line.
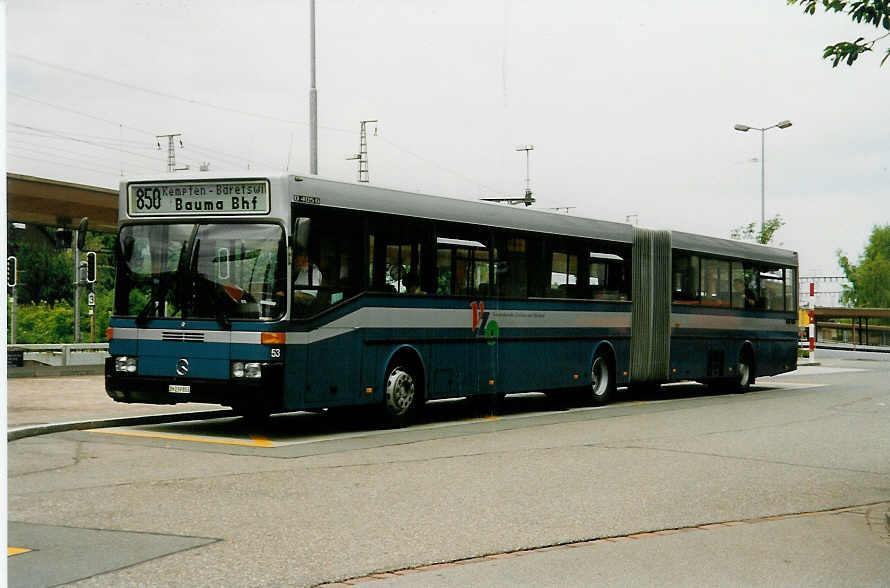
(221,317)
(154,301)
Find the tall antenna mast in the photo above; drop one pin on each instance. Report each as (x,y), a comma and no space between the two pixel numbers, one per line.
(313,95)
(171,150)
(362,155)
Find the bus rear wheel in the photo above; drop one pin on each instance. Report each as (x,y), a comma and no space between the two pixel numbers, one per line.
(745,378)
(602,380)
(401,396)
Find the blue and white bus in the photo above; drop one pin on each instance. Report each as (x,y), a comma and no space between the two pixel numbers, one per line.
(278,293)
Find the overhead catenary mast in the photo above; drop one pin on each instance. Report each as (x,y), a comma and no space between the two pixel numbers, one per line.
(171,150)
(362,155)
(527,199)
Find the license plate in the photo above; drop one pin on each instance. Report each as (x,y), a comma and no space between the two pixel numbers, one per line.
(178,389)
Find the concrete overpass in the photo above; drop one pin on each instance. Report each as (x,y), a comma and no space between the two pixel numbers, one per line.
(60,204)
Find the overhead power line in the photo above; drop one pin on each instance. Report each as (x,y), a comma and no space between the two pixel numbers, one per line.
(76,140)
(54,162)
(223,108)
(167,95)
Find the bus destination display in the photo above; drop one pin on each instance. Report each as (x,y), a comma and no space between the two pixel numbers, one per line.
(184,198)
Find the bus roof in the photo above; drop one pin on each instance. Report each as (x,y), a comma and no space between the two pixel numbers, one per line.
(364,197)
(384,200)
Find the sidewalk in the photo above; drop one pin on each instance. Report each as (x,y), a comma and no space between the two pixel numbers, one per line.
(37,401)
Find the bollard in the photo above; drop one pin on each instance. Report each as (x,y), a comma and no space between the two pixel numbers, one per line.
(812,324)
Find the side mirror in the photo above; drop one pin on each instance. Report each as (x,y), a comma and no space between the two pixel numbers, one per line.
(127,246)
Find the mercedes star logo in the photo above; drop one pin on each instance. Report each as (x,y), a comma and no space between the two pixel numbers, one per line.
(182,367)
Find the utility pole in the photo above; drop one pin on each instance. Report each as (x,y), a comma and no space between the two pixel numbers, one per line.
(171,151)
(362,155)
(313,95)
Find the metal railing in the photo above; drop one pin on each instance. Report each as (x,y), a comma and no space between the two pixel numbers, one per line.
(63,354)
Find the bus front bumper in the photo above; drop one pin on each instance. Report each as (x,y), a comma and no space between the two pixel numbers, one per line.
(266,391)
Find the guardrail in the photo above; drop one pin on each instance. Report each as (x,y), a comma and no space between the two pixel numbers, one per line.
(834,346)
(63,354)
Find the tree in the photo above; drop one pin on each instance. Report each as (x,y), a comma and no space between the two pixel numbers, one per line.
(45,275)
(764,235)
(873,12)
(870,278)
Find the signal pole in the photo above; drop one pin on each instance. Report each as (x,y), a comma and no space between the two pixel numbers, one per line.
(362,155)
(80,234)
(12,282)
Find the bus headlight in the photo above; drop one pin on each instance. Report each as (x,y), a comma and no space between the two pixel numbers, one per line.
(125,364)
(253,370)
(247,369)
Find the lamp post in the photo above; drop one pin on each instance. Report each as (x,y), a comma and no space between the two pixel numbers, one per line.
(745,128)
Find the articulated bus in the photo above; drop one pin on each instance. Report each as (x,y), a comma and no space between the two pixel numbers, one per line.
(276,293)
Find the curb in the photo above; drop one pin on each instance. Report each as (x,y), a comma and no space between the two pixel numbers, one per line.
(153,419)
(800,365)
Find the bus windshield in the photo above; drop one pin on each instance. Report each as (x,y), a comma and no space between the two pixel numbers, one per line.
(218,271)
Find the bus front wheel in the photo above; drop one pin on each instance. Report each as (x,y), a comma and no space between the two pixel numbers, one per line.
(401,396)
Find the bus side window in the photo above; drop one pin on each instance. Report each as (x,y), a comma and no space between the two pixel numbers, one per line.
(790,284)
(715,282)
(563,275)
(685,288)
(511,270)
(606,277)
(745,286)
(771,292)
(443,271)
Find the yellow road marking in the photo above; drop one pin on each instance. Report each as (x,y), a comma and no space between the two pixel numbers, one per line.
(10,551)
(261,441)
(256,440)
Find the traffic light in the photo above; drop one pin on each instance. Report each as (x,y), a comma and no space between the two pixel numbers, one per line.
(11,271)
(91,267)
(63,238)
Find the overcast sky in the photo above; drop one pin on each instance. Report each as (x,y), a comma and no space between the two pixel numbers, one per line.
(630,105)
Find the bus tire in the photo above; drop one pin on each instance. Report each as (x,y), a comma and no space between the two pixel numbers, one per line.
(602,380)
(745,378)
(401,395)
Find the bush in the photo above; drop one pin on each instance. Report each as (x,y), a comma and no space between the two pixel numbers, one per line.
(43,323)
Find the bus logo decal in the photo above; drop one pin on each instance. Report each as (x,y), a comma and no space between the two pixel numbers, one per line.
(481,325)
(480,317)
(182,367)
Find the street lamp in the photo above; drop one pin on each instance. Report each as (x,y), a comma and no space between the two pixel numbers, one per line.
(745,128)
